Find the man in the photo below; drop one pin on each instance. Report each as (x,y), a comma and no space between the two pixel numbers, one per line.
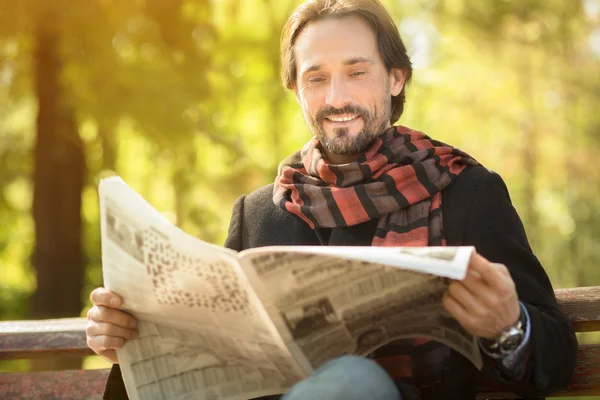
(361,181)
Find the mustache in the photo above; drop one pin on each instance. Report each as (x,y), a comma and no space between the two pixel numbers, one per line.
(347,109)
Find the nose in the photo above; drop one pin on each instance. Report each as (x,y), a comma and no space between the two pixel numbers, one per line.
(337,94)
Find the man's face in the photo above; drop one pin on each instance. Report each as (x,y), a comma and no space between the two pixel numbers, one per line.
(342,84)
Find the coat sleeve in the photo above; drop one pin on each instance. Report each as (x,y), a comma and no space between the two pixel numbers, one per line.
(496,231)
(115,387)
(234,235)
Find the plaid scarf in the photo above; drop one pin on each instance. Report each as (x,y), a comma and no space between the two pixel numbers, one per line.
(397,181)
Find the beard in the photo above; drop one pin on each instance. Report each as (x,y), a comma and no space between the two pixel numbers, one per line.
(341,143)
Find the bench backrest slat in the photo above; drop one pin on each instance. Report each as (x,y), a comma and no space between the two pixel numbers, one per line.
(582,306)
(32,339)
(63,385)
(29,339)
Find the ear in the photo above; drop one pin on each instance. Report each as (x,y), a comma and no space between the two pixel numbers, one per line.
(397,77)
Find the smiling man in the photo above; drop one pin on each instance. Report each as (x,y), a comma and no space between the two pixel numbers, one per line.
(342,84)
(363,181)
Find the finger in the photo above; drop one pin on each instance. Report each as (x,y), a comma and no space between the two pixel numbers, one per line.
(105,329)
(455,309)
(489,272)
(468,300)
(499,278)
(474,274)
(475,283)
(104,297)
(110,356)
(502,269)
(102,343)
(478,263)
(505,284)
(113,316)
(488,296)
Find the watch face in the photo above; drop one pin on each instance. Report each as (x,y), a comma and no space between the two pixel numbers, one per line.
(512,341)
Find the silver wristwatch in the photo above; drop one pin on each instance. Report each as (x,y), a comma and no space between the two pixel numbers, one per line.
(507,341)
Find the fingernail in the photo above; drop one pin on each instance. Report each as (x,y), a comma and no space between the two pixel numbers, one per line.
(115,302)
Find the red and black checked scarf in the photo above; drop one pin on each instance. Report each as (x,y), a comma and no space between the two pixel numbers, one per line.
(398,181)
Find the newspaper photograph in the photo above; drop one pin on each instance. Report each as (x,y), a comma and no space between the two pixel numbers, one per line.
(325,306)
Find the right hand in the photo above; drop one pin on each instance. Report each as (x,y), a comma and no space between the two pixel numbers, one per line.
(108,327)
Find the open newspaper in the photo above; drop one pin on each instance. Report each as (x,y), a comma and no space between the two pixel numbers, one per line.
(217,324)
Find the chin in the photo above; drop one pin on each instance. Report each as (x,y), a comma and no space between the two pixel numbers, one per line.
(347,146)
(346,132)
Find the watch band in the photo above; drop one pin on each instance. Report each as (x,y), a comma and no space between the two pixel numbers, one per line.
(507,341)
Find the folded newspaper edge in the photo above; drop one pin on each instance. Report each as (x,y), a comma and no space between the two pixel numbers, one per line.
(390,256)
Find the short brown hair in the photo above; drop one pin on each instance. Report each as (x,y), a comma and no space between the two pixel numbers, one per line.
(390,45)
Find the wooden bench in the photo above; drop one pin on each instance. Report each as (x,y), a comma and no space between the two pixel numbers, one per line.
(51,338)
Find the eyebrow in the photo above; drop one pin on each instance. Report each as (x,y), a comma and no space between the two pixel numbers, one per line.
(348,62)
(358,60)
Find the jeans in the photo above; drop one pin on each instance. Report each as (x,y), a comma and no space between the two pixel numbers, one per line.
(346,378)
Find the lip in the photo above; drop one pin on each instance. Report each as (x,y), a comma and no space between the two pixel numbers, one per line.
(342,123)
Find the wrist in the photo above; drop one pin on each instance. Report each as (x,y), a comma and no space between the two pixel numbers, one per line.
(517,315)
(507,340)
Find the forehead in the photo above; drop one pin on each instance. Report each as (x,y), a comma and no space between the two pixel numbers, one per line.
(333,41)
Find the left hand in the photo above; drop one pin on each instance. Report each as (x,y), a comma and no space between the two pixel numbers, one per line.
(486,301)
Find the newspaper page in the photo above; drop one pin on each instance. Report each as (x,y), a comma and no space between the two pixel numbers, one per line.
(330,301)
(203,332)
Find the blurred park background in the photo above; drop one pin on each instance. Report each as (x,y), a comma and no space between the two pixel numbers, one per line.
(182,98)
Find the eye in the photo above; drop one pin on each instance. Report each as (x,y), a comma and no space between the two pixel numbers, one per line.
(315,79)
(357,73)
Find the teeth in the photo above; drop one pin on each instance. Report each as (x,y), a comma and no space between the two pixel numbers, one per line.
(342,119)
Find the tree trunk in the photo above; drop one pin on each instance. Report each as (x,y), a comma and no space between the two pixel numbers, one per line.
(57,186)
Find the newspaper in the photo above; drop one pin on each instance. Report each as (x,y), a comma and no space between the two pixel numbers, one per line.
(217,324)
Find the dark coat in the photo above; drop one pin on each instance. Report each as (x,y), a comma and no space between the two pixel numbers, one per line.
(476,211)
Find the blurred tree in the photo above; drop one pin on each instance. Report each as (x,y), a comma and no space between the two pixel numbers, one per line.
(538,93)
(96,63)
(58,180)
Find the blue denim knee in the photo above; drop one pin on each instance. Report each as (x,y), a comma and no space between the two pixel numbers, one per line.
(346,378)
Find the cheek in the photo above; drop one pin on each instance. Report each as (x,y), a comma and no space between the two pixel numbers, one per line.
(311,102)
(365,92)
